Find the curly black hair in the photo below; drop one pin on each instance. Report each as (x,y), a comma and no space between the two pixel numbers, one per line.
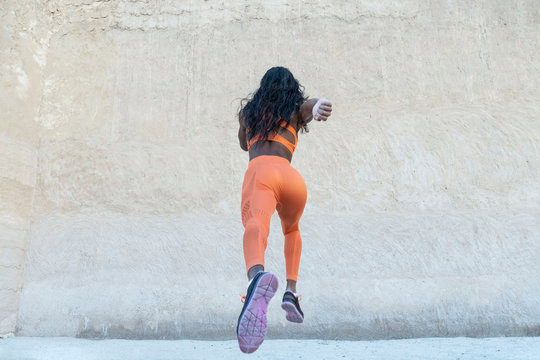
(278,97)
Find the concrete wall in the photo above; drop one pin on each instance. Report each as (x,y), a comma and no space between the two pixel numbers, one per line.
(120,137)
(20,95)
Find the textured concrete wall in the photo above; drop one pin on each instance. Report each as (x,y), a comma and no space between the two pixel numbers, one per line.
(20,94)
(423,189)
(17,181)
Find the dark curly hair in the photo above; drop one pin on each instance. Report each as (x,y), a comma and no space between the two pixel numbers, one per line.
(279,96)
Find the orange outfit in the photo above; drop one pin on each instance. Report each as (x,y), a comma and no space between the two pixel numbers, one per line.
(280,139)
(271,183)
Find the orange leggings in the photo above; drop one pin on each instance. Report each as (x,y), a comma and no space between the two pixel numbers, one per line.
(271,183)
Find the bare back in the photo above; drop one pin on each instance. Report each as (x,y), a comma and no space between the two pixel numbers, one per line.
(321,107)
(265,147)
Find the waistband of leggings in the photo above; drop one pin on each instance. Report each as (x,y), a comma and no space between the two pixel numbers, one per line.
(273,159)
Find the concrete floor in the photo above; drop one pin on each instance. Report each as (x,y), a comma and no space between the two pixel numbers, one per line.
(63,348)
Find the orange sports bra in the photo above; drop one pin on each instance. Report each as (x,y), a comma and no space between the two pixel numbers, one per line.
(280,139)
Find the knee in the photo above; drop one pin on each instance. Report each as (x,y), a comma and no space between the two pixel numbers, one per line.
(289,228)
(257,224)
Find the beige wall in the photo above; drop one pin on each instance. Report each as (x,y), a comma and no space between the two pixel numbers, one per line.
(20,94)
(121,171)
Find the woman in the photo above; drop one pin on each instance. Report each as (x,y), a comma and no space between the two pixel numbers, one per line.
(269,123)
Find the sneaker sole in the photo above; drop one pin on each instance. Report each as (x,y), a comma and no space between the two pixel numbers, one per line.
(292,313)
(253,324)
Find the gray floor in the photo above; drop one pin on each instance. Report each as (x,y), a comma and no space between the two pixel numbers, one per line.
(33,348)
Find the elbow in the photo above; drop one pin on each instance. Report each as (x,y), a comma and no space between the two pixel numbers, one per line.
(243,146)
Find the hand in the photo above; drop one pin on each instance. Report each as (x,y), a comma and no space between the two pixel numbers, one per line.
(322,110)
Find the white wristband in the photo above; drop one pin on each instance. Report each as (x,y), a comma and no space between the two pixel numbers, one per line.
(315,110)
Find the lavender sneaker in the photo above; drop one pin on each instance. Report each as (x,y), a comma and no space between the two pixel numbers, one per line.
(252,325)
(291,305)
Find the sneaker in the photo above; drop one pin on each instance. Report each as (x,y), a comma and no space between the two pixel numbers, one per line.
(252,324)
(291,305)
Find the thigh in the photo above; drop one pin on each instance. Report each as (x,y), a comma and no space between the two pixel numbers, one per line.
(292,198)
(258,196)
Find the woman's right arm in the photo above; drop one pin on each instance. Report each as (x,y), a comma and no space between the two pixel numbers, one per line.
(242,139)
(320,108)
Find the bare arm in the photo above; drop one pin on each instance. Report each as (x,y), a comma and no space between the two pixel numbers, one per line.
(305,112)
(242,134)
(322,109)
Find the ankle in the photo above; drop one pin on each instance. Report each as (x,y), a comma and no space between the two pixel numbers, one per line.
(292,292)
(291,286)
(254,270)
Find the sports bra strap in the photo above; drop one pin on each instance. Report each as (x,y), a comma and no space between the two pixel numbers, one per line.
(278,138)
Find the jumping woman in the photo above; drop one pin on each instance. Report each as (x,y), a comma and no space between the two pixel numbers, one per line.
(269,123)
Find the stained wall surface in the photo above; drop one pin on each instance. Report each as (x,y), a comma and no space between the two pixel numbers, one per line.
(121,172)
